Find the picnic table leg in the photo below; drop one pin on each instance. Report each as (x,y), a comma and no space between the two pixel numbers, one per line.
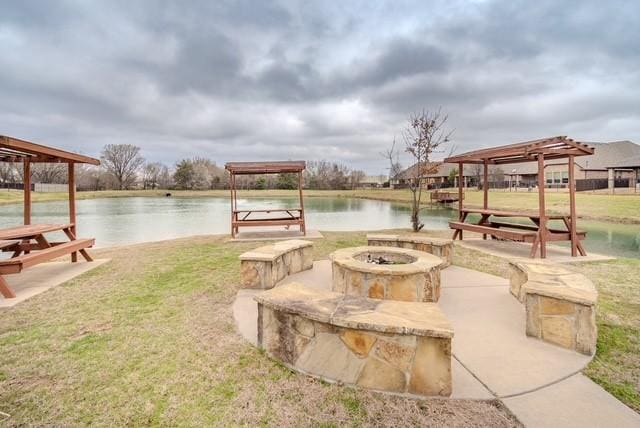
(42,241)
(5,290)
(534,247)
(72,237)
(86,255)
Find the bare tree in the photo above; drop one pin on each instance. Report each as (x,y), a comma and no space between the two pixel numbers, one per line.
(151,175)
(355,177)
(50,173)
(8,173)
(394,166)
(476,171)
(165,178)
(123,162)
(423,135)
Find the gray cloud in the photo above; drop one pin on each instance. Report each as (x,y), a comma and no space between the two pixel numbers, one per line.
(255,80)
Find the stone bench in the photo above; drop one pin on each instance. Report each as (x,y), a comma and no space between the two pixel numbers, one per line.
(560,304)
(414,275)
(265,266)
(384,345)
(442,248)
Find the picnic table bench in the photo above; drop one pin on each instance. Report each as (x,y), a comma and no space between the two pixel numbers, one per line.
(491,223)
(287,217)
(27,253)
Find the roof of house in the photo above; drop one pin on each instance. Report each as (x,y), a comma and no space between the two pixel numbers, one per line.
(14,150)
(613,154)
(630,162)
(435,169)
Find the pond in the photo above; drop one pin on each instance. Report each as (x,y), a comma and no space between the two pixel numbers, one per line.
(120,221)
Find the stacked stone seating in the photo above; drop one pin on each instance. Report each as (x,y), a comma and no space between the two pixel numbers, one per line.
(265,266)
(415,278)
(560,305)
(442,248)
(384,345)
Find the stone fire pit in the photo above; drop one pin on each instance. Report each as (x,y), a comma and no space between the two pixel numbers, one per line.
(388,273)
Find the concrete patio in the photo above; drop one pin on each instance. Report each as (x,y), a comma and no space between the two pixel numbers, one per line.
(43,277)
(510,250)
(492,357)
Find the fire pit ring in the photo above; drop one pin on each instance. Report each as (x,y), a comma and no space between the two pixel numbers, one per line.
(388,273)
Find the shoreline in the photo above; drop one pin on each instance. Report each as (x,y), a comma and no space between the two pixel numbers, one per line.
(373,194)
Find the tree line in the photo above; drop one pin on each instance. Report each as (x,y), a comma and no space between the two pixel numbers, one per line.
(123,167)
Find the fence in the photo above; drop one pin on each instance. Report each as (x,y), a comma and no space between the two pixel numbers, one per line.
(36,187)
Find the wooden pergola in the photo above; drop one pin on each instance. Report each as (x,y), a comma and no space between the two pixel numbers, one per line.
(28,243)
(245,218)
(539,232)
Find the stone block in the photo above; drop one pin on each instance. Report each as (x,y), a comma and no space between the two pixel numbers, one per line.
(339,281)
(586,330)
(378,344)
(355,283)
(402,288)
(381,376)
(551,306)
(360,343)
(532,310)
(307,258)
(376,289)
(328,357)
(558,330)
(431,370)
(431,287)
(304,326)
(517,278)
(398,353)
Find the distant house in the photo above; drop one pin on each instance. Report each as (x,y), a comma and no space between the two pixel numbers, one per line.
(614,164)
(372,181)
(436,175)
(594,167)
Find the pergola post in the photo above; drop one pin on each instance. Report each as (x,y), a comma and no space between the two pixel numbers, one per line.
(27,190)
(460,205)
(302,225)
(572,205)
(542,227)
(232,186)
(485,189)
(72,204)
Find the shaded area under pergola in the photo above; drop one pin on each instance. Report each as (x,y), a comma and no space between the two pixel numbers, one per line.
(28,242)
(538,233)
(257,217)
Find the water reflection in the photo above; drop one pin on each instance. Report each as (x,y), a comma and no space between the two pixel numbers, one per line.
(120,221)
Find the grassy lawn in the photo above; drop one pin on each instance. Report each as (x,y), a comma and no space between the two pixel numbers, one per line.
(616,366)
(605,207)
(149,339)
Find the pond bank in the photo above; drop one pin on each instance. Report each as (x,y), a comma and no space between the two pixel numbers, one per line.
(624,209)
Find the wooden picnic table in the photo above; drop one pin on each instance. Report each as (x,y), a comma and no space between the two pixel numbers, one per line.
(27,253)
(492,223)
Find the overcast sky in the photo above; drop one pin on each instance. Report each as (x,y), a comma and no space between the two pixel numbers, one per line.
(242,80)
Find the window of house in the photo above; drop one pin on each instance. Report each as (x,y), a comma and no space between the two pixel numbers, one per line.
(549,177)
